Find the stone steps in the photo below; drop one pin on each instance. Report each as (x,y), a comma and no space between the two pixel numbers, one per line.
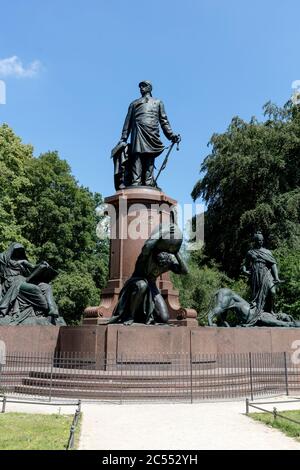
(130,384)
(167,393)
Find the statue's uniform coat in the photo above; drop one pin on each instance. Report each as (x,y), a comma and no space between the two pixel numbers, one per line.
(142,121)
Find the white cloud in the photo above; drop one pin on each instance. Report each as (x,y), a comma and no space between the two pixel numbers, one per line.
(13,67)
(296,84)
(2,99)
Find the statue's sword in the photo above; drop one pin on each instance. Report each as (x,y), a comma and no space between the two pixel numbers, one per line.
(164,163)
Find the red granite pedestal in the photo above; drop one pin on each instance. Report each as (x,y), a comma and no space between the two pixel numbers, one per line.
(30,339)
(143,341)
(134,213)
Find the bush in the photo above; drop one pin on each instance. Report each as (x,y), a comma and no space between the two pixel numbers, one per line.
(197,288)
(288,299)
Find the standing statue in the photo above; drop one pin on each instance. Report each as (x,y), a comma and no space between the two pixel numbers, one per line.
(142,122)
(25,293)
(140,300)
(261,268)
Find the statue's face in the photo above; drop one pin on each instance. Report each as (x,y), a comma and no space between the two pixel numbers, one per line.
(259,241)
(144,89)
(18,254)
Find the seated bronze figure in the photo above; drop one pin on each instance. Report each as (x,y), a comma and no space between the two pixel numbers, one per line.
(25,293)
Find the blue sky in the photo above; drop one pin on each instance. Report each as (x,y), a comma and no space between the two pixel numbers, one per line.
(209,60)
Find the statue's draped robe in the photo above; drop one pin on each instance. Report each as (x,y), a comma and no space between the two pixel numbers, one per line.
(20,301)
(261,280)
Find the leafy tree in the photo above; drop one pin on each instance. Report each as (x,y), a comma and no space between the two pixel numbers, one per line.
(251,181)
(43,206)
(14,184)
(289,293)
(73,291)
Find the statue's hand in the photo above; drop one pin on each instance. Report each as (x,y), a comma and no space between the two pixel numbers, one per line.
(246,272)
(175,138)
(44,263)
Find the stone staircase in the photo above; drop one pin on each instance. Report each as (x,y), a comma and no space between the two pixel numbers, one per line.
(156,384)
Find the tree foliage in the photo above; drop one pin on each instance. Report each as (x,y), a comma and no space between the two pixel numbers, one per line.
(251,181)
(197,288)
(14,184)
(289,293)
(43,206)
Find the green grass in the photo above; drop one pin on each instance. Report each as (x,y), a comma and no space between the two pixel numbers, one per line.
(287,427)
(24,431)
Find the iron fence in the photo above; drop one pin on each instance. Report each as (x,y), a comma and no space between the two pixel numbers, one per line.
(163,377)
(71,440)
(274,411)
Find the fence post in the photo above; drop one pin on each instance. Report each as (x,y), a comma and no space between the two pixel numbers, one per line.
(1,390)
(70,444)
(275,412)
(51,377)
(251,376)
(76,417)
(286,374)
(191,374)
(3,404)
(247,406)
(121,401)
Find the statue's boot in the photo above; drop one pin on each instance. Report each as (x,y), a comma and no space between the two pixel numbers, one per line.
(113,319)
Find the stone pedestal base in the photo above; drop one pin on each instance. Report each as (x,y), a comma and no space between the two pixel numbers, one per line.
(135,213)
(30,339)
(140,341)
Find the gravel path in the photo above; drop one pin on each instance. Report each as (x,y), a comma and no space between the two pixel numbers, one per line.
(218,425)
(221,425)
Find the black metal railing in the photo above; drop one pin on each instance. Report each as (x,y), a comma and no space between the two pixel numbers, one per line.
(159,377)
(71,440)
(274,411)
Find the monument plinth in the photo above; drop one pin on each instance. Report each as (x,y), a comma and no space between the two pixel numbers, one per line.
(134,213)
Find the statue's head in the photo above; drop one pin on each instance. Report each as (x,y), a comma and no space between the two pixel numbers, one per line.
(17,252)
(258,239)
(145,87)
(171,245)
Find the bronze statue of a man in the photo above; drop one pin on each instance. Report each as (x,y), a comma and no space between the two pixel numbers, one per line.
(142,122)
(140,300)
